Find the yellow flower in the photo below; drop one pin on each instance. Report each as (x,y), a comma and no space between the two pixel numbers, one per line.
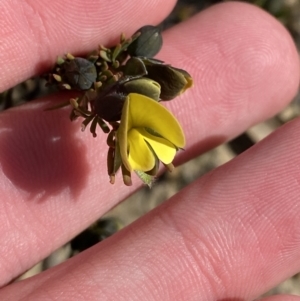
(147,131)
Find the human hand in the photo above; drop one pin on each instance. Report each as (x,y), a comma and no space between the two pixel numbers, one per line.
(230,235)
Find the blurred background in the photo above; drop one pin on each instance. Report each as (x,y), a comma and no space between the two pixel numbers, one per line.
(288,13)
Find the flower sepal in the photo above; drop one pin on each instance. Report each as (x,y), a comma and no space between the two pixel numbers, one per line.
(145,178)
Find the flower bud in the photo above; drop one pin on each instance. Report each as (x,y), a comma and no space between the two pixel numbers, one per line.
(144,86)
(134,67)
(79,73)
(148,44)
(173,81)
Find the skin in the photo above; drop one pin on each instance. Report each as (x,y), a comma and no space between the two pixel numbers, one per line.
(229,236)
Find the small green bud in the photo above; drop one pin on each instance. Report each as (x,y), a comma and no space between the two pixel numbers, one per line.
(60,61)
(57,77)
(148,44)
(69,56)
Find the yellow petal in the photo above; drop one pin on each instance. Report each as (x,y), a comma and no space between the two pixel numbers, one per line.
(164,150)
(140,156)
(146,112)
(140,111)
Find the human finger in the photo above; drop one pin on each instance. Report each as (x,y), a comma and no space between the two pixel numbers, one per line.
(53,174)
(231,235)
(34,33)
